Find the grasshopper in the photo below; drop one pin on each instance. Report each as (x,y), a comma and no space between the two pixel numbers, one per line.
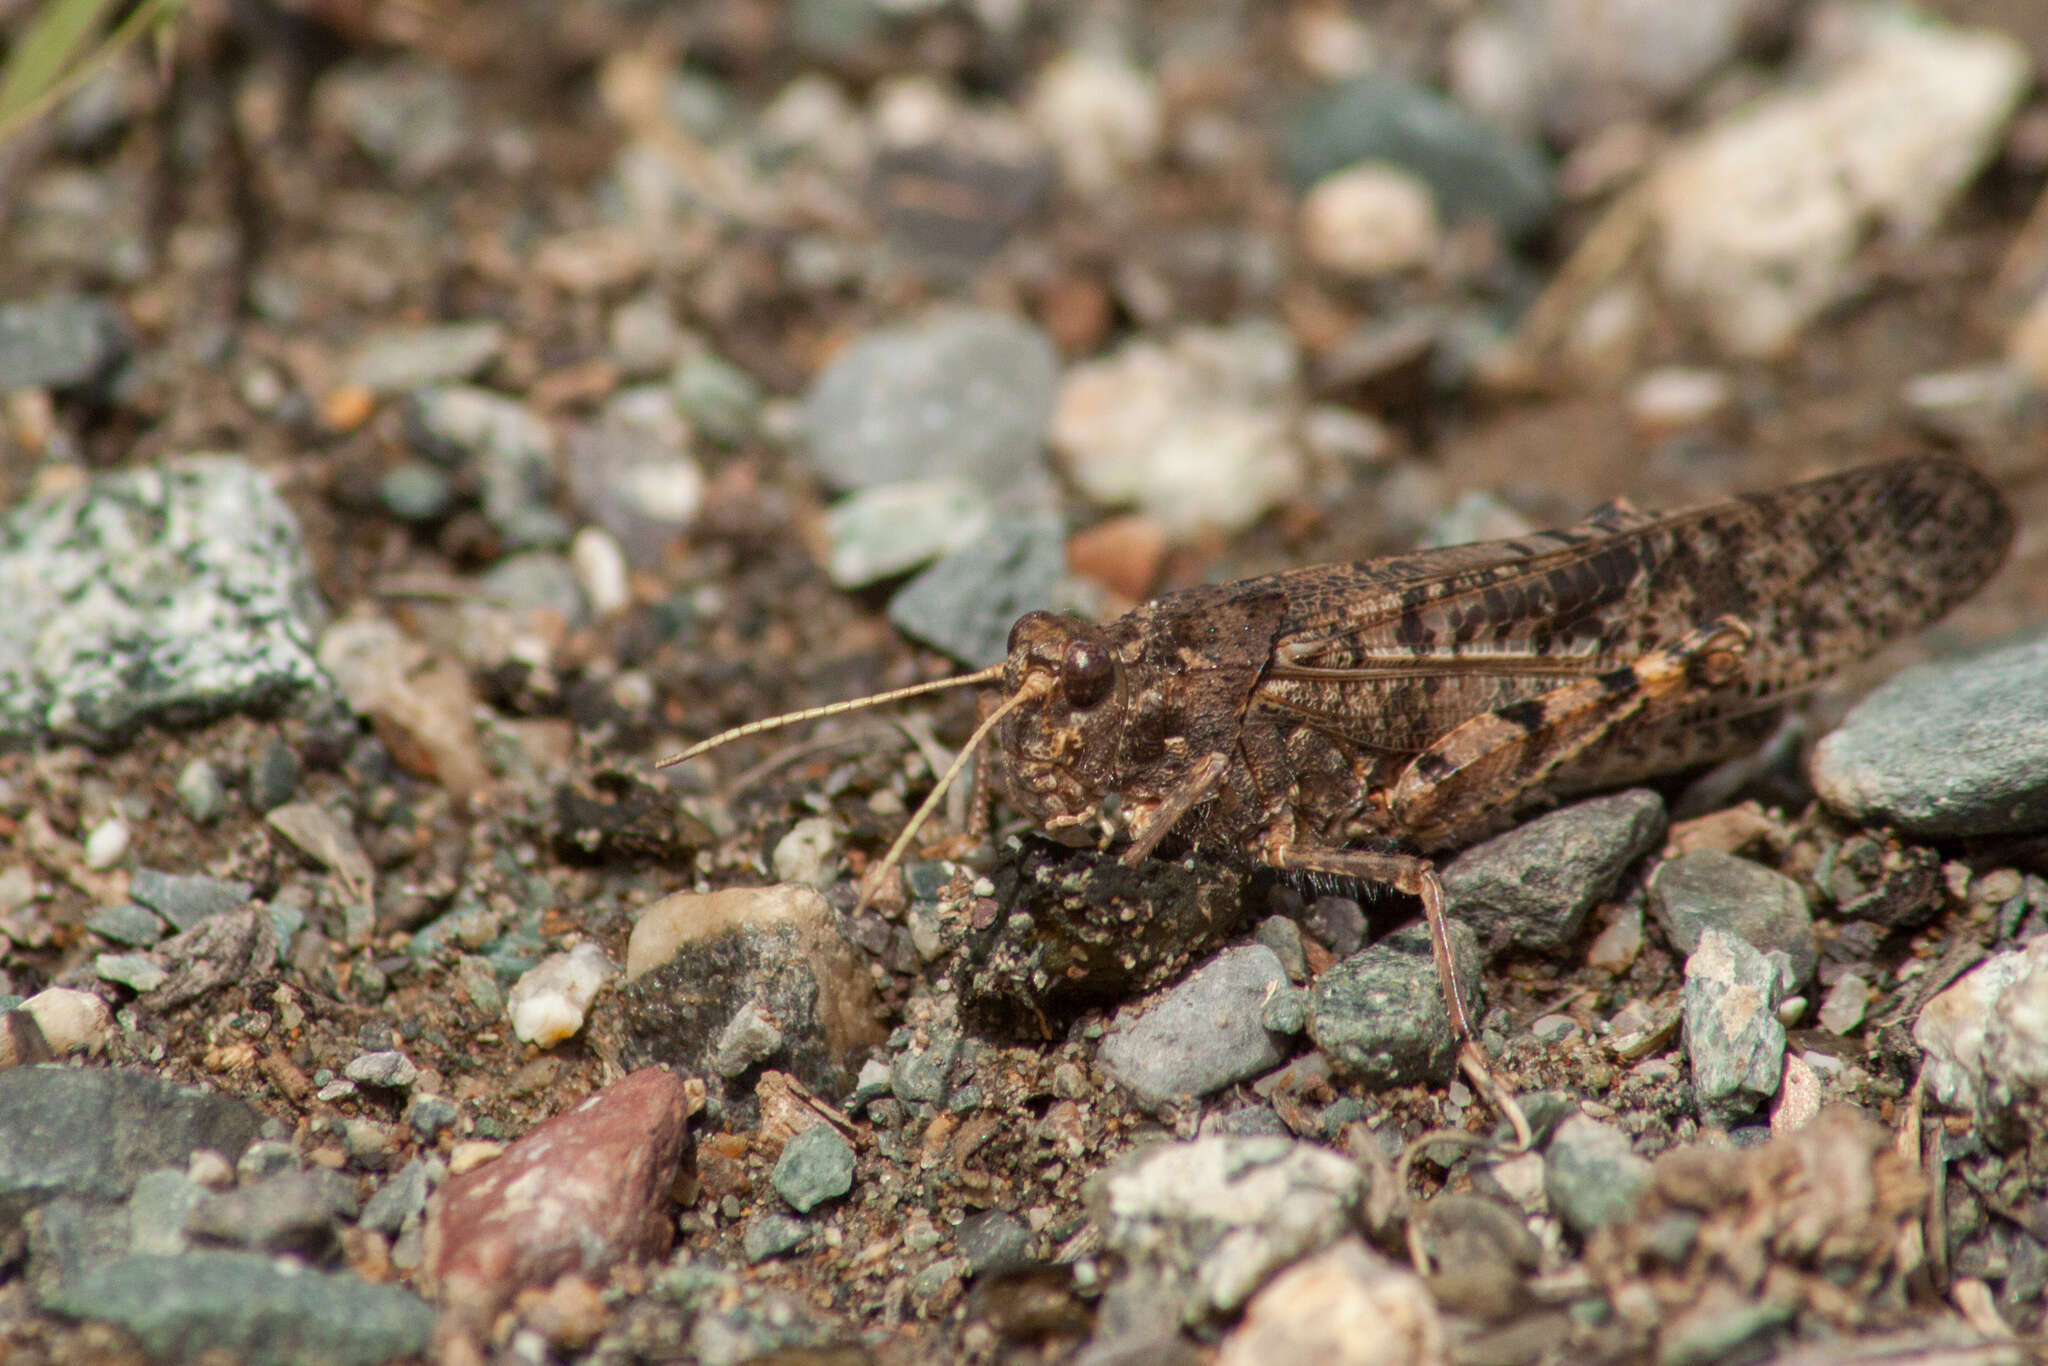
(1419,702)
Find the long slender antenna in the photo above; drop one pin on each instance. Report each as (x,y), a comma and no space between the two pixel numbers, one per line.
(988,675)
(1031,691)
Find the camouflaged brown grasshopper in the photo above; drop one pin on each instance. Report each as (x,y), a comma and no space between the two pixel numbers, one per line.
(1426,699)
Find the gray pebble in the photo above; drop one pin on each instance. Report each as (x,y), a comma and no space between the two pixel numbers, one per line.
(275,778)
(265,1157)
(407,115)
(172,594)
(126,923)
(816,1165)
(771,1235)
(1732,1032)
(416,492)
(1205,1033)
(387,1067)
(401,1199)
(1380,1014)
(249,1307)
(991,1238)
(721,400)
(921,1073)
(511,450)
(60,341)
(966,603)
(201,792)
(157,1210)
(1846,1001)
(1283,937)
(139,972)
(400,362)
(969,394)
(1708,888)
(751,1036)
(879,532)
(293,1211)
(1338,924)
(1592,1174)
(187,899)
(1476,169)
(429,1116)
(1955,748)
(1285,1011)
(1531,888)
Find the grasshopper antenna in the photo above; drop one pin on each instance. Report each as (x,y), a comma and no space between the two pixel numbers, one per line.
(989,675)
(1031,691)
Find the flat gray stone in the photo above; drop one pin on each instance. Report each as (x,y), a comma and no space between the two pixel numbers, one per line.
(126,923)
(966,603)
(816,1165)
(1592,1174)
(255,1308)
(1732,1032)
(1948,749)
(166,596)
(1531,888)
(60,341)
(968,394)
(1709,888)
(1380,1014)
(771,1235)
(93,1132)
(186,899)
(1205,1033)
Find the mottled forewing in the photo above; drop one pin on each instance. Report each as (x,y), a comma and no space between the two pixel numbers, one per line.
(1391,653)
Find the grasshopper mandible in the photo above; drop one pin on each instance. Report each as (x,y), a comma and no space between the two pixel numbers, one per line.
(1421,701)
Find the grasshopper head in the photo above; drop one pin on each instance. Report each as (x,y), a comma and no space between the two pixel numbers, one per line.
(1060,751)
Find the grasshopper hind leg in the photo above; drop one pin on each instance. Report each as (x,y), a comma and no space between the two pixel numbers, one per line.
(1416,876)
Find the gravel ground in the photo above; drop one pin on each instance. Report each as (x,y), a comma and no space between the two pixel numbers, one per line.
(416,423)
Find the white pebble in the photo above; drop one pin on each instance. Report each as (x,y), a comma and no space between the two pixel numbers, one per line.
(600,567)
(70,1020)
(1101,115)
(548,1003)
(1677,397)
(1368,221)
(107,844)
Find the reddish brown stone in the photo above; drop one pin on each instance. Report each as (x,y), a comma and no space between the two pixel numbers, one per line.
(583,1191)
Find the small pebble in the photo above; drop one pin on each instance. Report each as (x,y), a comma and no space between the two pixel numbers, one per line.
(1732,1032)
(200,792)
(547,1004)
(1843,1009)
(1368,221)
(108,843)
(1102,115)
(276,776)
(816,1165)
(416,492)
(389,1068)
(600,570)
(126,923)
(1676,398)
(139,972)
(430,1115)
(1592,1174)
(1205,1033)
(771,1235)
(809,853)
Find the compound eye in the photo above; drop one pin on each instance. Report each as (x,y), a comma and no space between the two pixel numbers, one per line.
(1086,673)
